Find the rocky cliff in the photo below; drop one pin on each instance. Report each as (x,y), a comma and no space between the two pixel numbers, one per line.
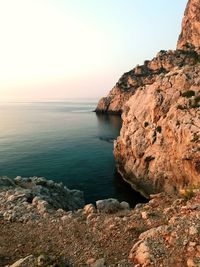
(189,37)
(143,75)
(189,40)
(159,144)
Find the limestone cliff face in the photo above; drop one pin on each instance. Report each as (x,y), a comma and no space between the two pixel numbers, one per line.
(189,40)
(159,144)
(140,76)
(190,34)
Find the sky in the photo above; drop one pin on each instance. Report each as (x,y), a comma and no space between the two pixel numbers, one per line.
(66,49)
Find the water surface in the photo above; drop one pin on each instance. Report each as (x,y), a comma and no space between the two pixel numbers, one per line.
(63,141)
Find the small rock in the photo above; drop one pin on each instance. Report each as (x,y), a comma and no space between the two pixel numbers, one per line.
(90,261)
(144,215)
(6,182)
(125,205)
(110,205)
(193,230)
(25,262)
(42,260)
(99,263)
(40,181)
(193,262)
(36,200)
(18,179)
(192,244)
(89,208)
(10,215)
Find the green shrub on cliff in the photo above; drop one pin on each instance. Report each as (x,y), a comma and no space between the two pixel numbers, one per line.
(188,94)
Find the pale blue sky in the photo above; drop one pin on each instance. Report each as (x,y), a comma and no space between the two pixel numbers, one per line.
(60,49)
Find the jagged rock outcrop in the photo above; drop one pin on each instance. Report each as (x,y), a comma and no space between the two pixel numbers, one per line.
(143,75)
(190,34)
(189,40)
(159,144)
(22,199)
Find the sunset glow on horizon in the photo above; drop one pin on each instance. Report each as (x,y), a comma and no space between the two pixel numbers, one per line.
(56,49)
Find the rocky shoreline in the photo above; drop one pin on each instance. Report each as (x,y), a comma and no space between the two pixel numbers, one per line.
(110,233)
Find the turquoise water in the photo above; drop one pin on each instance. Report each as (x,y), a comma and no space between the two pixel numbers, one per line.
(63,141)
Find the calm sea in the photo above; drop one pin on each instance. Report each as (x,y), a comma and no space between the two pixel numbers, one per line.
(63,141)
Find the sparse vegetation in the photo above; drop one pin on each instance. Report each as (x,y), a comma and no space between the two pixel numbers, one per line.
(188,94)
(159,129)
(153,215)
(197,99)
(196,103)
(181,107)
(146,124)
(192,103)
(188,192)
(149,158)
(53,261)
(195,137)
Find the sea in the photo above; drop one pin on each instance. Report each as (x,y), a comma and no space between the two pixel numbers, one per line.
(66,142)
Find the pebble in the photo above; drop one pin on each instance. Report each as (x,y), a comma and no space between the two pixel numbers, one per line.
(193,230)
(24,262)
(99,263)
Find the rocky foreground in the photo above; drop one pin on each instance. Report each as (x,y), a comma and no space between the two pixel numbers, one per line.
(163,232)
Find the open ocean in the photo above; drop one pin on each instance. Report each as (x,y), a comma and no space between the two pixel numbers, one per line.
(63,141)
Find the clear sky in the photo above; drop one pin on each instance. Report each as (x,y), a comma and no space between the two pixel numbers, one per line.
(61,49)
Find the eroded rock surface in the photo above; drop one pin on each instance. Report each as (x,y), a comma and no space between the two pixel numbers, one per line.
(159,144)
(189,41)
(152,234)
(22,199)
(143,75)
(190,34)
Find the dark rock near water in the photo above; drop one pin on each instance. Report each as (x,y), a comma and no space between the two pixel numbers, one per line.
(26,198)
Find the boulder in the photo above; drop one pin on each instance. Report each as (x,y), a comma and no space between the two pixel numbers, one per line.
(24,262)
(111,205)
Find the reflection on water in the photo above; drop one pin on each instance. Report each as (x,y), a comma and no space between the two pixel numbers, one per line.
(124,190)
(111,121)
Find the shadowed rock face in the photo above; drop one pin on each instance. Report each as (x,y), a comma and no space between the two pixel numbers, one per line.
(159,144)
(190,34)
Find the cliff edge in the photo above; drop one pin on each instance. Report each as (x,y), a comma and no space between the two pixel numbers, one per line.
(159,144)
(189,37)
